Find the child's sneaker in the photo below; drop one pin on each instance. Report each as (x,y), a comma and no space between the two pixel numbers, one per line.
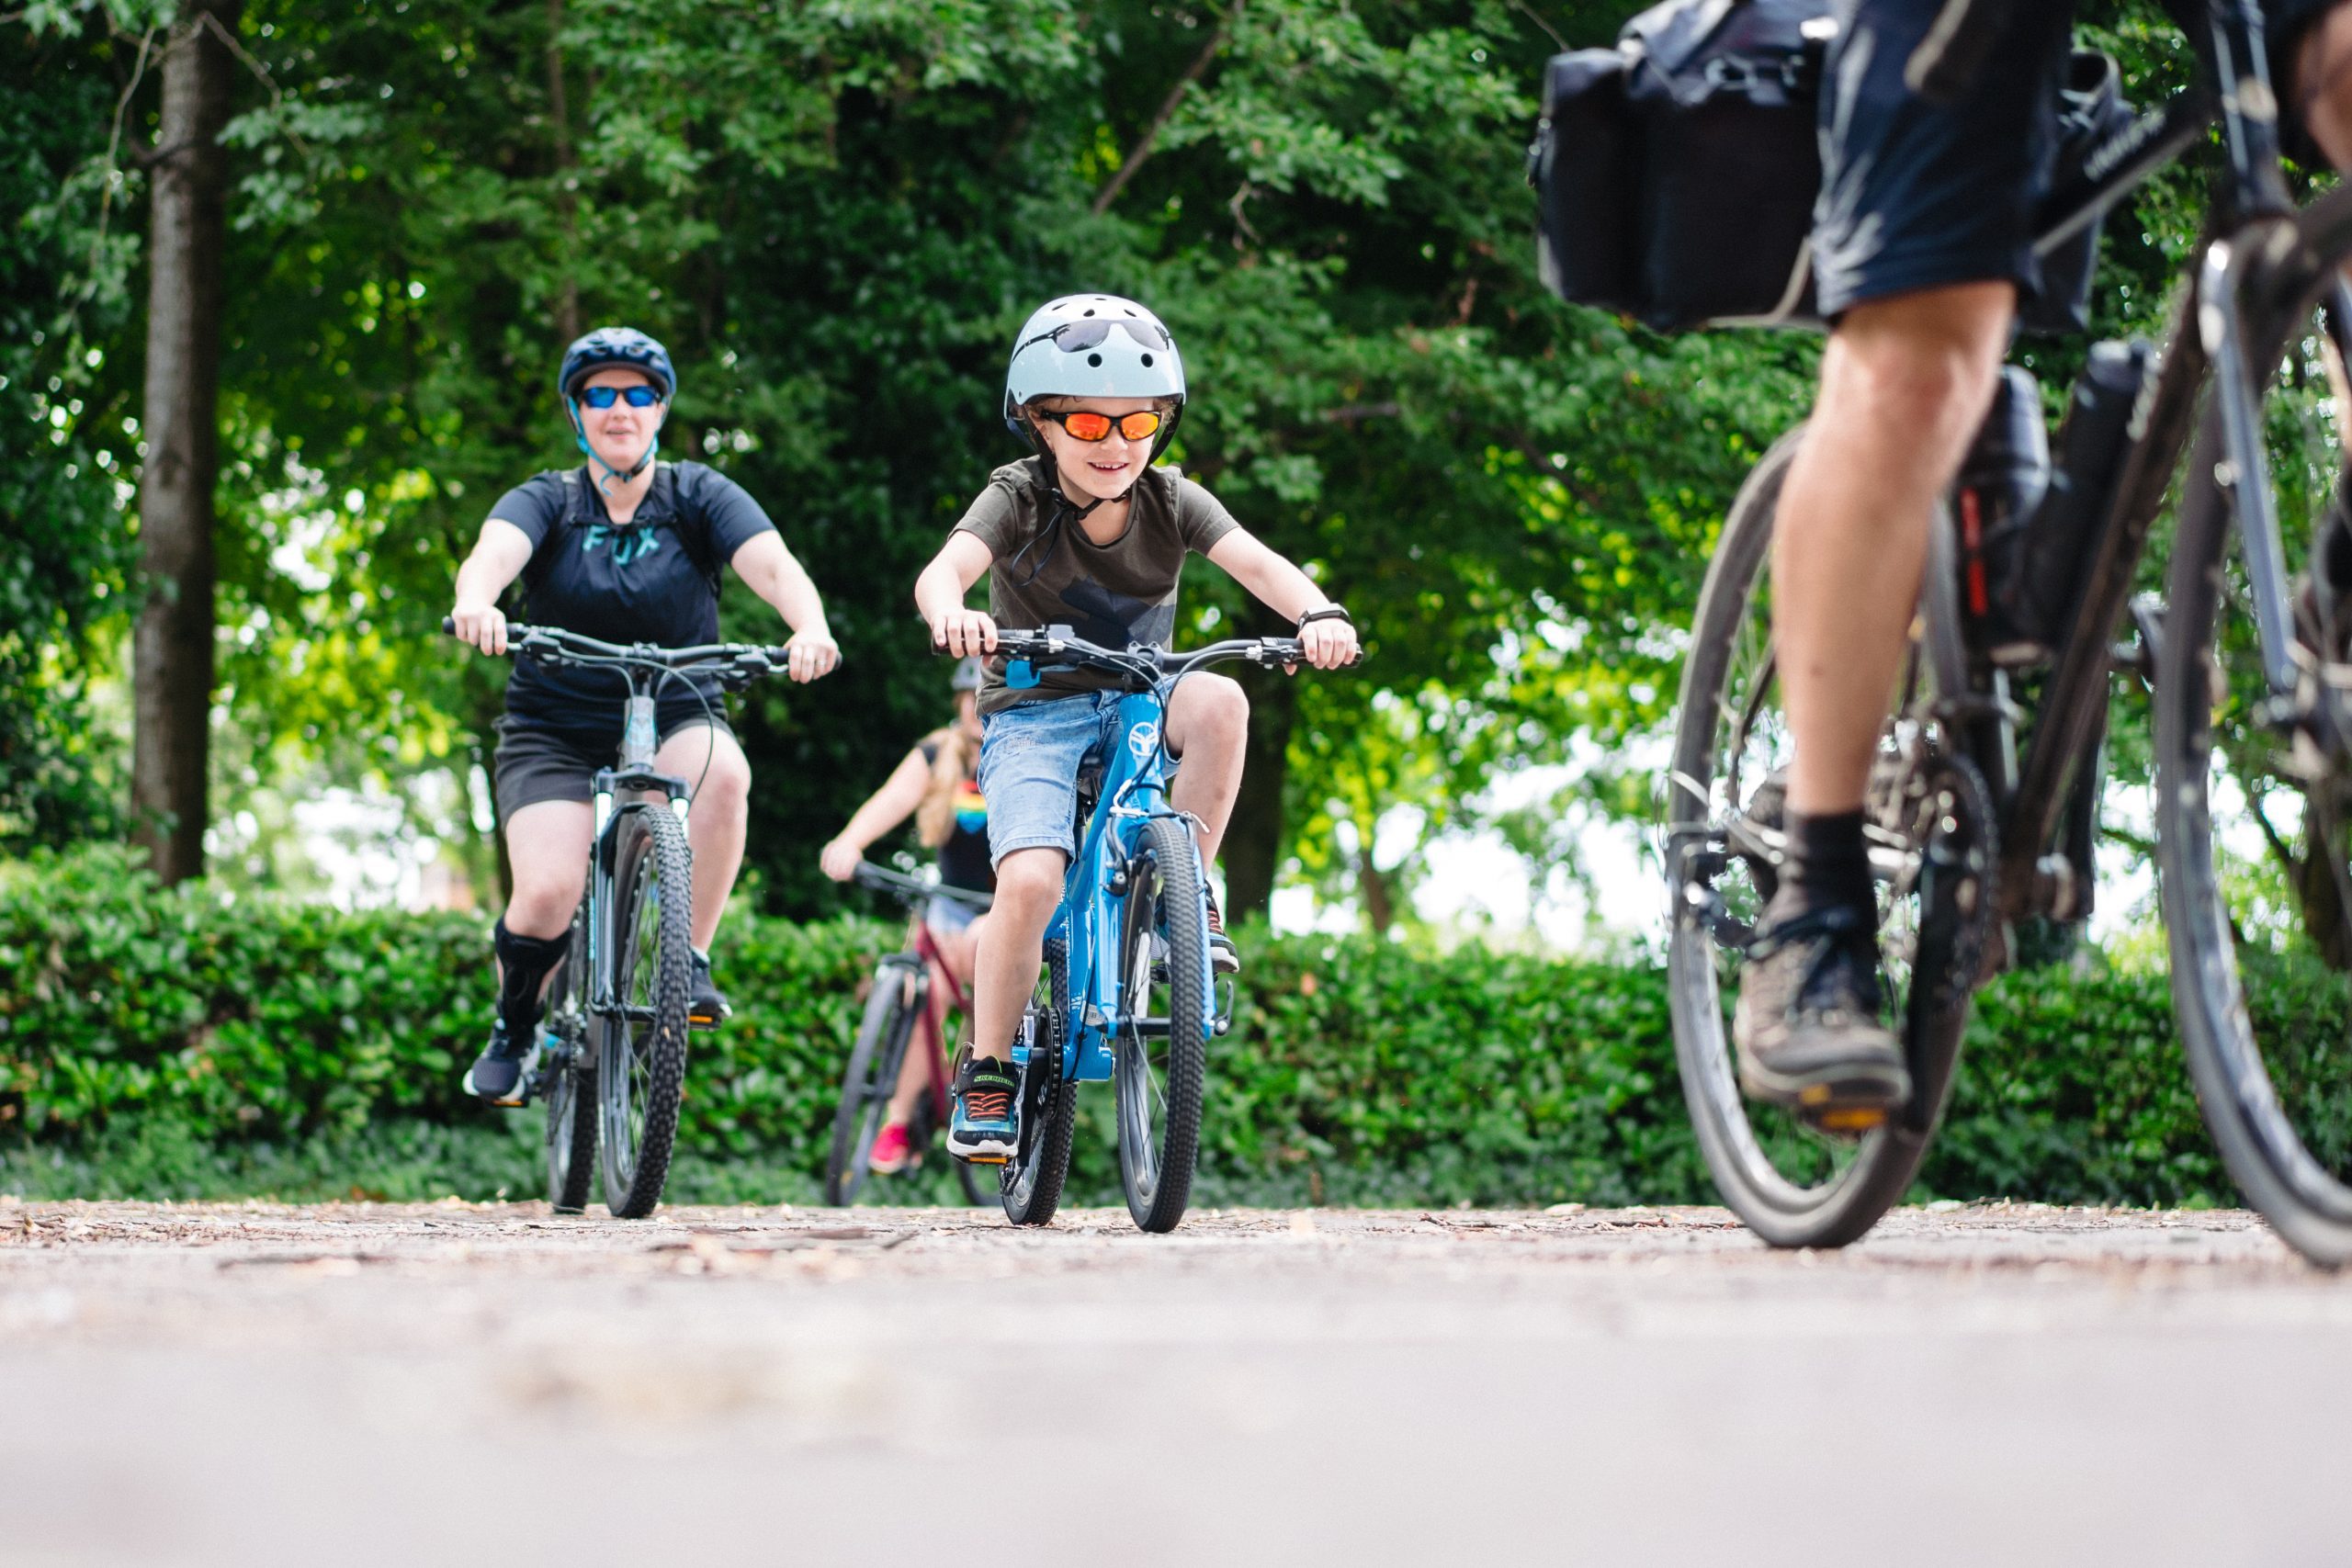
(984,1125)
(891,1150)
(1223,959)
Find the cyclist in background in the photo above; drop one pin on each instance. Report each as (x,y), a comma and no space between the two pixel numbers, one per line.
(625,549)
(1089,534)
(936,785)
(1921,250)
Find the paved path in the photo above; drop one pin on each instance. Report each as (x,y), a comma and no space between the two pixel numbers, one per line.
(454,1384)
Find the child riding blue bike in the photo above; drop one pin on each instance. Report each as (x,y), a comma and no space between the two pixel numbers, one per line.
(1088,536)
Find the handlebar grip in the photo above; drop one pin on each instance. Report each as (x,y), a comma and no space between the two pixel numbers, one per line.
(448,626)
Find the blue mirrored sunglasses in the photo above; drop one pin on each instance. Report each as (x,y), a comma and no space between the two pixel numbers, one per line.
(605,397)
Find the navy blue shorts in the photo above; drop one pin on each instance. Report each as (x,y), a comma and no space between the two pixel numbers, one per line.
(1921,196)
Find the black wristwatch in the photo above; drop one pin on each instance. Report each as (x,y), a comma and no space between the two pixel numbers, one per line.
(1327,613)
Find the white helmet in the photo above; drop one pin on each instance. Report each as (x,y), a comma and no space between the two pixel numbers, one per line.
(1093,345)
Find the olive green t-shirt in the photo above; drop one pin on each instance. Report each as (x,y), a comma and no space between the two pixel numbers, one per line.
(1112,594)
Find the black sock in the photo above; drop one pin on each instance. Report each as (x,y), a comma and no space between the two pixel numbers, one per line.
(523,963)
(1829,864)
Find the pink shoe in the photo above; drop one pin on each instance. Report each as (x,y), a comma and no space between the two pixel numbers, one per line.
(891,1151)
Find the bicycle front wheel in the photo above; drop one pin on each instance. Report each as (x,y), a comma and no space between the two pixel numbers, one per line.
(1931,840)
(2254,807)
(1030,1184)
(871,1075)
(571,1080)
(641,1054)
(1158,1056)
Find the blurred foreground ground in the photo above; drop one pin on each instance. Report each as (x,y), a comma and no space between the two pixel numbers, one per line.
(453,1383)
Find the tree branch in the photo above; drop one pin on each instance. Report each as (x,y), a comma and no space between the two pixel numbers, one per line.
(1142,148)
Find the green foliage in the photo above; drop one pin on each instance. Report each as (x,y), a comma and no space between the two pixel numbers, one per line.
(184,1045)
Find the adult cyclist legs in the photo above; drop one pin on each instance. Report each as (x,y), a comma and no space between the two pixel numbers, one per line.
(546,844)
(709,758)
(1905,382)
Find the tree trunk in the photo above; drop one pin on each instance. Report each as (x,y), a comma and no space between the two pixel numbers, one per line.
(567,200)
(171,653)
(1379,901)
(1253,844)
(2324,926)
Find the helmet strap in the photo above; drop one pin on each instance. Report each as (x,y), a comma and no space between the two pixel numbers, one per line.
(580,434)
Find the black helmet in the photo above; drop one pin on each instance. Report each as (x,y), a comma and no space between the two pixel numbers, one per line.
(610,347)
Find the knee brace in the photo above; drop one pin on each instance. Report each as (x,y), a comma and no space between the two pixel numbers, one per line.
(524,964)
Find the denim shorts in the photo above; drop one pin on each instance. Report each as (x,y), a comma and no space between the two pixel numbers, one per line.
(1030,755)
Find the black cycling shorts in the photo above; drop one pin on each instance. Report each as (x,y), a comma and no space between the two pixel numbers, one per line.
(540,761)
(1917,194)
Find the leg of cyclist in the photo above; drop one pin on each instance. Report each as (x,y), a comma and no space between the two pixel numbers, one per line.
(1012,947)
(1208,728)
(709,759)
(892,1148)
(1905,383)
(546,843)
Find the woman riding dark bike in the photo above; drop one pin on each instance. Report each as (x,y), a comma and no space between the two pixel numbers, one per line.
(628,550)
(934,784)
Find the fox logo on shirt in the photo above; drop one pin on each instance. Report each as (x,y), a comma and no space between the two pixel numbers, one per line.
(629,544)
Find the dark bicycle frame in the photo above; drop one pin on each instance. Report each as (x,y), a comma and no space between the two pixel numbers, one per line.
(928,957)
(630,786)
(2250,199)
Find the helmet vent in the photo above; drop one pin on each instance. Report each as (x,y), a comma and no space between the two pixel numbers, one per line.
(1094,359)
(1086,312)
(1146,361)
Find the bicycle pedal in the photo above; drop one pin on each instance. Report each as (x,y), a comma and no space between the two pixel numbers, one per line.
(1852,1119)
(984,1160)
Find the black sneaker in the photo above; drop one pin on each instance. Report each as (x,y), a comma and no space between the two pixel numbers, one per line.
(502,1074)
(1807,1023)
(708,1007)
(1223,959)
(986,1125)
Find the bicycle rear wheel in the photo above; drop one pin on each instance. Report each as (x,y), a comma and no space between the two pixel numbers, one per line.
(641,1049)
(1030,1184)
(872,1075)
(1159,1055)
(2254,812)
(571,1079)
(1931,840)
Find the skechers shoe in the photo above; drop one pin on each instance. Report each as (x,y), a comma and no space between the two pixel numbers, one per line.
(1807,1022)
(892,1149)
(984,1125)
(707,1007)
(1223,959)
(502,1074)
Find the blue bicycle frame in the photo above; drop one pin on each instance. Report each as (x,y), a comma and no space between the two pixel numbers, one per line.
(1134,791)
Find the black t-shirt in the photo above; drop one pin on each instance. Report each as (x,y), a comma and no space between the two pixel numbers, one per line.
(654,579)
(963,854)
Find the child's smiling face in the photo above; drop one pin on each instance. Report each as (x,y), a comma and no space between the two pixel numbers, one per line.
(1097,471)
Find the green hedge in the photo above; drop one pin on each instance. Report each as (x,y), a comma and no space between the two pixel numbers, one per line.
(182,1044)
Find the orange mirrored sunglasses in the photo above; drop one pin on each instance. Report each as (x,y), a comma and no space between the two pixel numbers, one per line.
(1085,425)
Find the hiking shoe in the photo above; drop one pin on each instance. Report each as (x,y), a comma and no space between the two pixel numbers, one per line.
(984,1125)
(892,1149)
(1807,1022)
(1223,959)
(502,1074)
(707,1007)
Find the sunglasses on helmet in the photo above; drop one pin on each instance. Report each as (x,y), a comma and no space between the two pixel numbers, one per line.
(639,397)
(1075,337)
(1086,424)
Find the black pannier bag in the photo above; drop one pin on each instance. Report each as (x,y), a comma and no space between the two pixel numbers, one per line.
(1676,172)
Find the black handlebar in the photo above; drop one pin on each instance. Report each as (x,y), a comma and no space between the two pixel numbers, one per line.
(557,646)
(914,889)
(1060,645)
